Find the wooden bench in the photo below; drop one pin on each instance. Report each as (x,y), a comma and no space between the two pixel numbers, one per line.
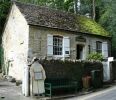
(54,84)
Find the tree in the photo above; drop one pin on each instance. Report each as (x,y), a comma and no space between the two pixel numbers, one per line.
(66,5)
(93,8)
(4,7)
(77,4)
(108,20)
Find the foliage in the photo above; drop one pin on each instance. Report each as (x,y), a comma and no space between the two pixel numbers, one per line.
(4,7)
(95,56)
(74,70)
(113,63)
(90,26)
(1,58)
(66,5)
(108,20)
(106,17)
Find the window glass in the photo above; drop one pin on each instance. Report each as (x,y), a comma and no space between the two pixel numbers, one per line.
(99,47)
(57,45)
(89,49)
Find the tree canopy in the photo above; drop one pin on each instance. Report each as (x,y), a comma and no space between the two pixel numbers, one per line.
(4,7)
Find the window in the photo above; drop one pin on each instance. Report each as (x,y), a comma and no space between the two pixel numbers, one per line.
(57,45)
(99,47)
(89,49)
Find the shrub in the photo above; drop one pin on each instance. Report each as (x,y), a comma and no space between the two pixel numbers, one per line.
(74,70)
(113,74)
(95,56)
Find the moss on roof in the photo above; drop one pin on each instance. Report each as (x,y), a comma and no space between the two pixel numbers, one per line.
(90,26)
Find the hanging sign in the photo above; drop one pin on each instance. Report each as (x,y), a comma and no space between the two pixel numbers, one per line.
(80,39)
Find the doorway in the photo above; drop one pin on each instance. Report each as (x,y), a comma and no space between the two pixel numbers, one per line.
(79,50)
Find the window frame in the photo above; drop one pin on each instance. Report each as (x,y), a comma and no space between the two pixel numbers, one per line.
(57,44)
(98,46)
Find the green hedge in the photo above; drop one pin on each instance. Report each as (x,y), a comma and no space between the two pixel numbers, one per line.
(1,58)
(113,70)
(70,69)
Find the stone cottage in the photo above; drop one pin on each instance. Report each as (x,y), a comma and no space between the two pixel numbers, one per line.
(32,30)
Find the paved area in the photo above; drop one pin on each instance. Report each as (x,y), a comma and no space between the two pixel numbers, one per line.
(9,91)
(107,94)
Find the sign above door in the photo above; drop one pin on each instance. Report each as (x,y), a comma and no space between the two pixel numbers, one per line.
(80,39)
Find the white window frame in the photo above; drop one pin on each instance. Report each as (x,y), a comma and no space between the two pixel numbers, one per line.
(58,45)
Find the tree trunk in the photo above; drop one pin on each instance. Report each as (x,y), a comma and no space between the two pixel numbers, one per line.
(93,7)
(76,6)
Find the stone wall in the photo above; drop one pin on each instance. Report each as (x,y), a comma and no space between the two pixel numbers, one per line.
(38,41)
(15,43)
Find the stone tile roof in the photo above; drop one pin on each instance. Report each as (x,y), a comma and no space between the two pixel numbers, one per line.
(44,16)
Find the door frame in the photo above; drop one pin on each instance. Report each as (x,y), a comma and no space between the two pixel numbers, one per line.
(83,51)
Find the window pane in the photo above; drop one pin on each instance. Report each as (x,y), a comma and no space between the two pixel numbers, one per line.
(98,46)
(57,45)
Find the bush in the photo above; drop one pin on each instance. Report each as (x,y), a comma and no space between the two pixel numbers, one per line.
(113,70)
(74,70)
(95,56)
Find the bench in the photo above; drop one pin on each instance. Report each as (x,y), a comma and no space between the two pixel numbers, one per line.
(55,84)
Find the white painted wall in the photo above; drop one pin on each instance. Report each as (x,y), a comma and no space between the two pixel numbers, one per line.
(15,43)
(106,71)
